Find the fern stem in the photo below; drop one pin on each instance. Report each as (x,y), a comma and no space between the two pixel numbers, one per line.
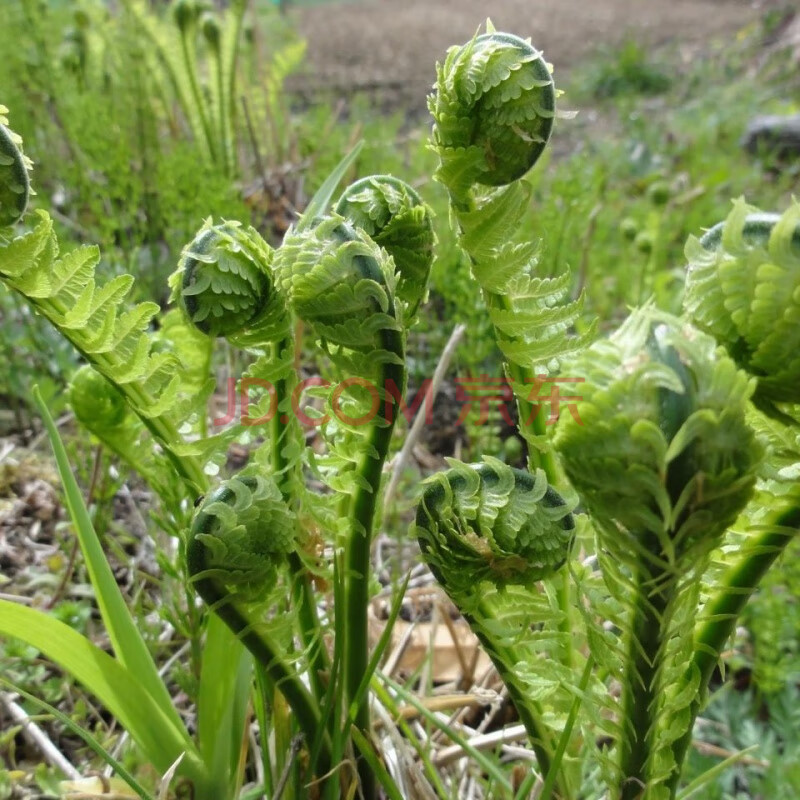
(529,711)
(190,64)
(358,545)
(647,638)
(724,608)
(267,653)
(283,428)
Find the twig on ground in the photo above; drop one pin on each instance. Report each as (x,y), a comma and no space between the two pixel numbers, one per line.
(37,737)
(419,420)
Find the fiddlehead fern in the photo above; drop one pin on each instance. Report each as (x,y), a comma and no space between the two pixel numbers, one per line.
(493,112)
(15,187)
(493,109)
(393,215)
(342,285)
(743,286)
(664,460)
(492,523)
(96,403)
(240,539)
(489,533)
(223,281)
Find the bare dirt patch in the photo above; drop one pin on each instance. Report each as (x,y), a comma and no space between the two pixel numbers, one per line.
(391,45)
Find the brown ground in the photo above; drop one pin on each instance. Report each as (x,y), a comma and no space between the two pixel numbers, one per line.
(393,44)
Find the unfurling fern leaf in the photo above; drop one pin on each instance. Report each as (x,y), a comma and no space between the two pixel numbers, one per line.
(493,113)
(491,523)
(493,110)
(239,542)
(392,214)
(223,280)
(743,286)
(342,285)
(113,339)
(490,533)
(664,460)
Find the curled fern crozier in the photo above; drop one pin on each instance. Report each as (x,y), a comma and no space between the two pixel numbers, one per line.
(223,281)
(493,111)
(15,185)
(743,287)
(492,523)
(96,402)
(393,215)
(340,283)
(241,534)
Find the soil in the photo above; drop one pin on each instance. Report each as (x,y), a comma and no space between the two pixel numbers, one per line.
(390,47)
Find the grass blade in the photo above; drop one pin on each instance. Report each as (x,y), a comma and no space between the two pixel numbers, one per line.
(319,202)
(87,738)
(376,765)
(490,767)
(129,647)
(117,688)
(701,780)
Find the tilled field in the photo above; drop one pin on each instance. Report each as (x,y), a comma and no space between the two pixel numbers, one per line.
(390,46)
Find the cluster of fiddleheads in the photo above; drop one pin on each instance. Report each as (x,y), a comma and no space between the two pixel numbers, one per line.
(342,284)
(663,455)
(662,452)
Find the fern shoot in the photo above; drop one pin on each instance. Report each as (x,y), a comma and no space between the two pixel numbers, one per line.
(393,215)
(743,287)
(489,534)
(493,112)
(664,460)
(241,536)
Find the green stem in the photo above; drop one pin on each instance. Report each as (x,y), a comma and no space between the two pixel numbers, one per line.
(529,711)
(267,653)
(654,591)
(190,64)
(283,429)
(359,542)
(725,607)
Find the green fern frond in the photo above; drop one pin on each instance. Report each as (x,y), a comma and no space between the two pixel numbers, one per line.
(664,460)
(113,339)
(174,61)
(743,286)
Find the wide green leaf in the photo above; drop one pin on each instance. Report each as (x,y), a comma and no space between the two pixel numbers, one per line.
(120,691)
